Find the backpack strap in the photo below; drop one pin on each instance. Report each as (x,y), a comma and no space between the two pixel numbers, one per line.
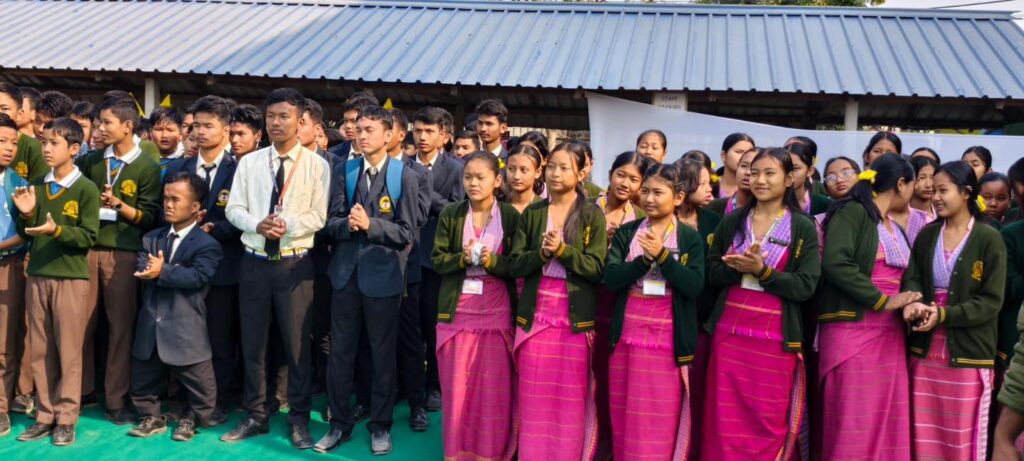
(352,168)
(393,179)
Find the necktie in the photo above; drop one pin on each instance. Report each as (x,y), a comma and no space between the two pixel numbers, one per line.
(206,173)
(273,247)
(170,246)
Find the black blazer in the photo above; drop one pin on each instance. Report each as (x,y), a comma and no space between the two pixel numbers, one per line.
(224,232)
(172,312)
(377,257)
(414,267)
(446,182)
(323,244)
(341,150)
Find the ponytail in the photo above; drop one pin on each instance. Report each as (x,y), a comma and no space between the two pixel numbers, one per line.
(578,150)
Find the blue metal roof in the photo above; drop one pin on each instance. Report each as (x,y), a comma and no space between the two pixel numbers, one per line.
(610,46)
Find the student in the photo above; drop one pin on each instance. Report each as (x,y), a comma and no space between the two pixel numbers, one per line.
(52,104)
(910,219)
(524,171)
(840,176)
(166,134)
(1011,419)
(175,265)
(492,125)
(733,147)
(959,266)
(764,257)
(926,152)
(738,199)
(652,144)
(245,130)
(979,158)
(559,248)
(803,168)
(81,113)
(61,219)
(1013,237)
(1016,176)
(278,215)
(656,267)
(805,146)
(372,220)
(96,140)
(30,100)
(129,184)
(696,177)
(882,142)
(350,111)
(536,139)
(28,160)
(995,191)
(924,189)
(474,328)
(861,340)
(12,274)
(593,190)
(401,124)
(409,145)
(466,142)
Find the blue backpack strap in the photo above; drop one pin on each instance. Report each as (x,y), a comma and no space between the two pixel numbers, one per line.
(394,179)
(352,168)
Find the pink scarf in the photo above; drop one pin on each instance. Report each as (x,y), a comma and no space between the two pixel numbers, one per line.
(775,243)
(490,236)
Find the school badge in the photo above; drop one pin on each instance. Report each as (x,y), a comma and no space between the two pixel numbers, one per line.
(977,271)
(128,188)
(222,198)
(71,209)
(685,259)
(711,239)
(22,169)
(385,204)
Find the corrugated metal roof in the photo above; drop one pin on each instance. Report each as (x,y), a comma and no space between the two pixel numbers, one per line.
(856,51)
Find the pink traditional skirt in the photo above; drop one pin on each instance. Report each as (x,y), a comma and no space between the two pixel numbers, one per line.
(864,383)
(754,404)
(950,405)
(650,402)
(558,416)
(474,359)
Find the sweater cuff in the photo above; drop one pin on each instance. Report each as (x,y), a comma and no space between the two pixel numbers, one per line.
(765,273)
(57,231)
(662,256)
(880,304)
(561,250)
(942,315)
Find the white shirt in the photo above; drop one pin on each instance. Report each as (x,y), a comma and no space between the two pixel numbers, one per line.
(430,164)
(497,152)
(126,158)
(181,236)
(305,198)
(65,182)
(216,165)
(379,166)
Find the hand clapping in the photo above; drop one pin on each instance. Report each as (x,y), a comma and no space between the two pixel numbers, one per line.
(750,262)
(153,268)
(358,220)
(552,241)
(651,244)
(25,199)
(47,228)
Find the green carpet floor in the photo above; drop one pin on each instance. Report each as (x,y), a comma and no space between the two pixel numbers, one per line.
(98,439)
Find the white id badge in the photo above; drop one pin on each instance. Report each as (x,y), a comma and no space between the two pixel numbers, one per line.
(654,287)
(108,214)
(473,287)
(751,283)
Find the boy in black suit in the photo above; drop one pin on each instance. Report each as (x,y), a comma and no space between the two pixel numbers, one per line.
(175,265)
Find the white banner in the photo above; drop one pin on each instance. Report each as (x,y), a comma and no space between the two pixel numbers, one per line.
(615,123)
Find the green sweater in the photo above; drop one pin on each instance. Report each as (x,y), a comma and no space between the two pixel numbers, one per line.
(75,210)
(583,260)
(1013,237)
(684,273)
(28,160)
(795,284)
(976,290)
(851,247)
(707,222)
(138,186)
(819,203)
(593,190)
(1012,392)
(447,255)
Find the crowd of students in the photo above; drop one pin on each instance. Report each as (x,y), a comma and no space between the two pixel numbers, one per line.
(762,310)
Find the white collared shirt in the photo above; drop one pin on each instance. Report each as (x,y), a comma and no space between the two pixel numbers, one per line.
(497,152)
(181,236)
(216,166)
(305,197)
(430,164)
(379,167)
(66,181)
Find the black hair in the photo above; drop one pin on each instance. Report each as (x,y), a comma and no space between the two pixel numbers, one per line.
(401,122)
(213,105)
(578,151)
(286,95)
(668,173)
(538,139)
(449,122)
(844,158)
(883,136)
(930,152)
(249,115)
(430,115)
(789,199)
(358,101)
(470,121)
(697,156)
(66,128)
(12,91)
(166,113)
(7,122)
(362,96)
(379,114)
(534,153)
(55,104)
(919,163)
(470,135)
(804,147)
(83,109)
(197,186)
(658,133)
(994,176)
(587,151)
(409,140)
(1016,171)
(630,157)
(490,159)
(734,138)
(982,152)
(123,108)
(144,127)
(32,95)
(689,174)
(889,169)
(966,181)
(492,107)
(315,111)
(334,137)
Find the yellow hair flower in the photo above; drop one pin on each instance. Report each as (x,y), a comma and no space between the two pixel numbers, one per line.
(981,204)
(501,164)
(715,178)
(867,175)
(713,167)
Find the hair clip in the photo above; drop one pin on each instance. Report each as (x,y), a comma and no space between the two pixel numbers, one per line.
(867,175)
(715,178)
(981,204)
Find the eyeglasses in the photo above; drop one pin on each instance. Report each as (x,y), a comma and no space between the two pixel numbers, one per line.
(846,173)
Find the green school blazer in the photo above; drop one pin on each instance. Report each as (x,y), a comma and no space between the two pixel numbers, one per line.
(1013,238)
(976,290)
(795,284)
(819,203)
(707,222)
(1012,392)
(583,259)
(851,246)
(447,255)
(683,271)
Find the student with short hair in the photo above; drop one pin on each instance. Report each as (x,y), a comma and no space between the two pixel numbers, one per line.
(52,104)
(979,158)
(30,100)
(653,145)
(61,219)
(28,160)
(1016,177)
(466,142)
(350,111)
(491,125)
(995,191)
(81,113)
(165,132)
(734,146)
(12,274)
(246,130)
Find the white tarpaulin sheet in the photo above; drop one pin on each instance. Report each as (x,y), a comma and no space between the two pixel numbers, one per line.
(615,124)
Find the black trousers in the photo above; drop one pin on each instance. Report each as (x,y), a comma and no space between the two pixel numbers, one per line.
(149,381)
(353,315)
(281,291)
(430,290)
(322,293)
(222,325)
(411,349)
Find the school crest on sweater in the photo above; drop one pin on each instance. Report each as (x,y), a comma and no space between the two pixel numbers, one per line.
(129,188)
(71,209)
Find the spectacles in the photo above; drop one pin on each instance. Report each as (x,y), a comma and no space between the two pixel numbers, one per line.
(847,173)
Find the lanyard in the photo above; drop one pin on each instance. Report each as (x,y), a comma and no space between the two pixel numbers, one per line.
(767,235)
(288,181)
(603,202)
(120,169)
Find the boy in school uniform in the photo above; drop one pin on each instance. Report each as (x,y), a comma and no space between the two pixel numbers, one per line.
(30,100)
(491,125)
(81,113)
(52,105)
(12,274)
(165,132)
(61,218)
(28,161)
(129,185)
(176,265)
(350,110)
(246,130)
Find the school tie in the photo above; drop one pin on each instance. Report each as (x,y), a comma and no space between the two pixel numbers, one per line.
(206,173)
(371,174)
(169,249)
(273,247)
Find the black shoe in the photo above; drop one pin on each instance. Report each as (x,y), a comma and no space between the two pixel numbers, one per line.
(246,428)
(418,421)
(299,433)
(185,431)
(359,413)
(331,440)
(149,426)
(121,417)
(5,424)
(90,400)
(63,435)
(434,400)
(24,404)
(217,417)
(35,432)
(380,442)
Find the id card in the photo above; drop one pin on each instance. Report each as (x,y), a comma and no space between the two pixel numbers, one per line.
(654,287)
(108,214)
(473,287)
(751,283)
